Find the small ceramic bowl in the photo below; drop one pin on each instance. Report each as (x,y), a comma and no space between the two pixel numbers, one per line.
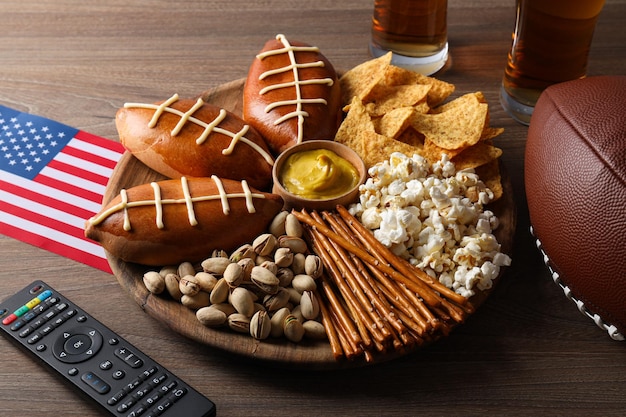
(293,201)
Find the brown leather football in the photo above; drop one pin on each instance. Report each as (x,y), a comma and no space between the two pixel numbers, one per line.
(575,173)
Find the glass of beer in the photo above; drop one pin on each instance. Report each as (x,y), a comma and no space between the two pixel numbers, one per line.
(551,43)
(415,31)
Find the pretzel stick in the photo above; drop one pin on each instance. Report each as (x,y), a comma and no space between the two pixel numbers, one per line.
(331,330)
(418,286)
(357,316)
(365,280)
(401,264)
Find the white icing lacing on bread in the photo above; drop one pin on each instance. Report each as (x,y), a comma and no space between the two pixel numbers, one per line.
(188,200)
(209,127)
(297,83)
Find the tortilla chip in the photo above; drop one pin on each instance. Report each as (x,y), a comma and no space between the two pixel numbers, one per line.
(377,148)
(433,152)
(357,120)
(480,154)
(383,99)
(491,132)
(395,122)
(360,80)
(439,90)
(454,128)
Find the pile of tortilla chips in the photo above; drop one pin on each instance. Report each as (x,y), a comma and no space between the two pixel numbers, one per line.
(390,109)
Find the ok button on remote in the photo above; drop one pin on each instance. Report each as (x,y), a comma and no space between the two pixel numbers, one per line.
(77,344)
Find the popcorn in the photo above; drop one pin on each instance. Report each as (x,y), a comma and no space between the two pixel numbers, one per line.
(433,216)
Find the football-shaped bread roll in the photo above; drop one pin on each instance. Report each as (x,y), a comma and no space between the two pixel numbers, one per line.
(183,219)
(292,94)
(179,137)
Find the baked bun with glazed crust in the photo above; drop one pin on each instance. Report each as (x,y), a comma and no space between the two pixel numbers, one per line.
(185,137)
(575,176)
(185,219)
(292,94)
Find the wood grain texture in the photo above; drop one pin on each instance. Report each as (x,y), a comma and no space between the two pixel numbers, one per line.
(526,351)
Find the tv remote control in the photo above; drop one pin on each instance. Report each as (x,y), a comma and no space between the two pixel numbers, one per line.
(96,360)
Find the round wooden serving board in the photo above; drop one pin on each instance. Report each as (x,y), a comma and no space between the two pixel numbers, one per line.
(130,172)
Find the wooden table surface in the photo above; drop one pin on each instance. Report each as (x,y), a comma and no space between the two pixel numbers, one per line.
(527,350)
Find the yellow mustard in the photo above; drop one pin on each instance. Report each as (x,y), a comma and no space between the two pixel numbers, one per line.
(318,174)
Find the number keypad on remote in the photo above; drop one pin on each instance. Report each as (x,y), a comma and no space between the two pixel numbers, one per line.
(99,362)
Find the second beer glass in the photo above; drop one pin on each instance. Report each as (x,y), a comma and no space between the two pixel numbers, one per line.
(414,30)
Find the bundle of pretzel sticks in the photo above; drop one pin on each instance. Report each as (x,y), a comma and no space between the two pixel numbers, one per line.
(374,301)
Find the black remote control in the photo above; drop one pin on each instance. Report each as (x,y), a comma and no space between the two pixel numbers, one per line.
(100,363)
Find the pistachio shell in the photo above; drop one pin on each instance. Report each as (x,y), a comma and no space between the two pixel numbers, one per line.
(233,274)
(260,325)
(309,305)
(194,302)
(244,251)
(296,244)
(223,307)
(239,323)
(284,275)
(303,282)
(264,244)
(293,227)
(170,269)
(265,279)
(241,299)
(215,266)
(211,317)
(273,302)
(297,266)
(186,268)
(172,286)
(206,281)
(283,257)
(293,329)
(188,285)
(278,322)
(277,226)
(220,292)
(313,266)
(314,330)
(246,267)
(154,282)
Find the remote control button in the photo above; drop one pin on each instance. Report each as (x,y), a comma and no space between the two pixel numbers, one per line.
(119,374)
(41,347)
(95,382)
(72,371)
(106,365)
(77,344)
(129,357)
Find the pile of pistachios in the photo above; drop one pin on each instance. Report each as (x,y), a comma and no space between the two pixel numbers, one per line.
(266,288)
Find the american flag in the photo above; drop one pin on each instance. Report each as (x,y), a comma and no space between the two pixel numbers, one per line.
(52,178)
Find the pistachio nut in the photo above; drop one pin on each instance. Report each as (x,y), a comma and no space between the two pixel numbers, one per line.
(303,282)
(233,274)
(215,266)
(278,322)
(277,226)
(309,305)
(186,268)
(194,302)
(284,275)
(297,266)
(265,279)
(220,292)
(293,227)
(219,253)
(296,244)
(264,244)
(271,265)
(188,285)
(172,286)
(313,266)
(283,257)
(273,302)
(154,282)
(239,323)
(241,299)
(211,317)
(243,251)
(314,330)
(293,329)
(294,295)
(206,281)
(170,269)
(260,325)
(246,267)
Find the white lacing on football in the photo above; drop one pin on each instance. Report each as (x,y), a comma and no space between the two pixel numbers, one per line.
(609,328)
